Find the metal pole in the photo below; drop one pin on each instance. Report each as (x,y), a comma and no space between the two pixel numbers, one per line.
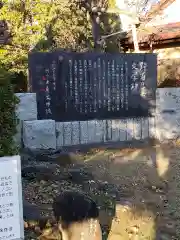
(135,39)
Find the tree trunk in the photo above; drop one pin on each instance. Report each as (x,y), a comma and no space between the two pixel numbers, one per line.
(95,31)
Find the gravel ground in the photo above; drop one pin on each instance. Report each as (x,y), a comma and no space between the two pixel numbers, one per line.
(42,181)
(137,190)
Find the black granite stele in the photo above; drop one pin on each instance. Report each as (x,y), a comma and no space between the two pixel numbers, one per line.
(84,86)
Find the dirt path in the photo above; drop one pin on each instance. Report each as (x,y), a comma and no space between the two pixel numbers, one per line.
(137,190)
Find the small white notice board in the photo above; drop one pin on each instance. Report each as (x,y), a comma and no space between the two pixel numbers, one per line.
(11,210)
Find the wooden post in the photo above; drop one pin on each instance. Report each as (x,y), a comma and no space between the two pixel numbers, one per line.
(135,38)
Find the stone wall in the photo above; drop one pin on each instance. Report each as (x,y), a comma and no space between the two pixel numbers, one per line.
(168,63)
(48,134)
(168,113)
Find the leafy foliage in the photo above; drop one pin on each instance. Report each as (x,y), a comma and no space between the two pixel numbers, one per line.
(42,26)
(8,119)
(37,25)
(103,23)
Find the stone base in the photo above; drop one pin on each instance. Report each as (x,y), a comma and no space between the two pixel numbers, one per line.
(27,107)
(46,134)
(18,136)
(39,134)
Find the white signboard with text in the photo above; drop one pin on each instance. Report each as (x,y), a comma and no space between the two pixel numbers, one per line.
(11,209)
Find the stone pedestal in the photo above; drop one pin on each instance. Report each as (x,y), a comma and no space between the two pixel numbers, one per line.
(39,134)
(27,107)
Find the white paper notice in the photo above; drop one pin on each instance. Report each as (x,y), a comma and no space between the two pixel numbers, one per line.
(11,214)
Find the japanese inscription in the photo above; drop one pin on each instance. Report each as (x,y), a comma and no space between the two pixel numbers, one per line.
(53,67)
(97,86)
(11,218)
(47,93)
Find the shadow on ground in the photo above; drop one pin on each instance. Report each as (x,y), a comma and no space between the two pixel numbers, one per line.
(148,202)
(138,190)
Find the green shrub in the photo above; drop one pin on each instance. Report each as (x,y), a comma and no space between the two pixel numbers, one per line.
(8,118)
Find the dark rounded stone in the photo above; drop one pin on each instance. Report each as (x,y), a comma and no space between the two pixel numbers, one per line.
(74,206)
(37,172)
(42,173)
(79,176)
(31,212)
(63,159)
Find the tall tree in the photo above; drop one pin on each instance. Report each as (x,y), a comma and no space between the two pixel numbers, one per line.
(37,25)
(102,22)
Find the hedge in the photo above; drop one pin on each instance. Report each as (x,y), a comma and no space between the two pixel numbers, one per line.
(8,118)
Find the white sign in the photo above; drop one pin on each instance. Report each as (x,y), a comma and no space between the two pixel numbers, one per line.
(11,210)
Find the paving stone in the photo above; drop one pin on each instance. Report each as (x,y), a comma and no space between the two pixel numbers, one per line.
(145,128)
(115,130)
(109,130)
(59,134)
(75,133)
(122,130)
(130,129)
(39,134)
(92,131)
(137,128)
(84,132)
(67,134)
(100,131)
(27,107)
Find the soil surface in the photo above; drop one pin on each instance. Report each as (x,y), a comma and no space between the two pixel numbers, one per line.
(137,190)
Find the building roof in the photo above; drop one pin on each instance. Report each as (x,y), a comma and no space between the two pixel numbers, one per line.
(158,33)
(155,34)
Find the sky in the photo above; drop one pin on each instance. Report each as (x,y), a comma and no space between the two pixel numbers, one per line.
(125,20)
(171,14)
